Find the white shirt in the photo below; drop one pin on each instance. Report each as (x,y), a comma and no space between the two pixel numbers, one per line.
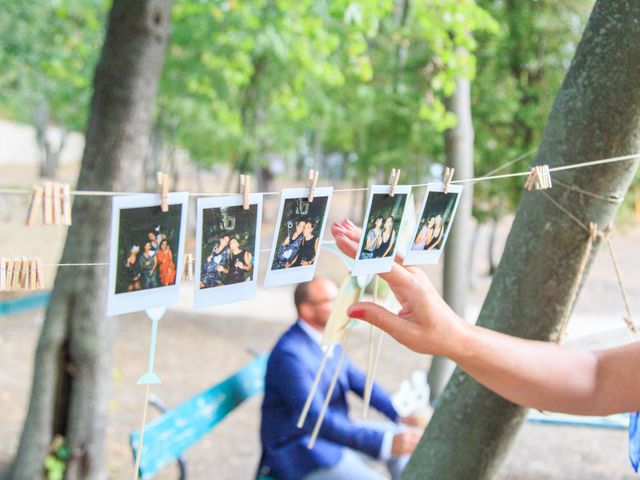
(316,336)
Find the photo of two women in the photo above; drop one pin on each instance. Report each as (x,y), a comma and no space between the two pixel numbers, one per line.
(228,245)
(383,223)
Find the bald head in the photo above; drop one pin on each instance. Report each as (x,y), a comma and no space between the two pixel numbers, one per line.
(314,301)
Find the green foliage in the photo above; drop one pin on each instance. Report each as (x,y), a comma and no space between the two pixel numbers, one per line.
(48,51)
(520,71)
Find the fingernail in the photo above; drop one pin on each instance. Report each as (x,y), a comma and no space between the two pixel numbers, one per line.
(350,222)
(356,313)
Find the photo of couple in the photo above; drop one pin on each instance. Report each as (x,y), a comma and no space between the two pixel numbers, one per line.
(298,240)
(147,241)
(382,226)
(298,237)
(300,246)
(228,245)
(435,222)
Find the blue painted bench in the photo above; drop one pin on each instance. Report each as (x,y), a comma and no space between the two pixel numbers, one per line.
(167,437)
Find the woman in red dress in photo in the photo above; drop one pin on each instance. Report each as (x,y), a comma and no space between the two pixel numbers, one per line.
(166,267)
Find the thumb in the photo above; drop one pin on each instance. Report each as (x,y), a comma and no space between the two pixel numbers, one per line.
(380,317)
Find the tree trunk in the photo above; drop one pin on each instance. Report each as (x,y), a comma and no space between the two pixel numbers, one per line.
(73,356)
(459,148)
(595,115)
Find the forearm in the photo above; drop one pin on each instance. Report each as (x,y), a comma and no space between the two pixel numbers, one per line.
(530,373)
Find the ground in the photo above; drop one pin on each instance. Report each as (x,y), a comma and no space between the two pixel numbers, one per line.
(199,348)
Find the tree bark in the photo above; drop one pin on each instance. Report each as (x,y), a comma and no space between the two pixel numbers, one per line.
(595,115)
(459,148)
(73,356)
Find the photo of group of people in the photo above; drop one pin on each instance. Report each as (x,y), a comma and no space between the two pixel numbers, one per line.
(146,251)
(229,238)
(380,230)
(227,253)
(297,243)
(433,228)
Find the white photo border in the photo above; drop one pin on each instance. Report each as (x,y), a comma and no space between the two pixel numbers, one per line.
(431,257)
(127,302)
(209,297)
(370,266)
(275,278)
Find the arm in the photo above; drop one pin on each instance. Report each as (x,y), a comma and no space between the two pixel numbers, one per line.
(247,261)
(533,374)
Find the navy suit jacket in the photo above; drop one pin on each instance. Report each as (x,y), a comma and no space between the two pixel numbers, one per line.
(292,366)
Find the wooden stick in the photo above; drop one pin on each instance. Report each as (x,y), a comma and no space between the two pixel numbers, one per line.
(327,399)
(245,189)
(164,193)
(144,421)
(369,378)
(314,387)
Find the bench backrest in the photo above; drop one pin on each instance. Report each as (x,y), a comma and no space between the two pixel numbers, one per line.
(169,435)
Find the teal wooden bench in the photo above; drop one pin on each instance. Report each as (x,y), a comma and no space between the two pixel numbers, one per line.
(167,437)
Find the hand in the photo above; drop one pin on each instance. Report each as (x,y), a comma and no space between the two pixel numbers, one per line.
(425,323)
(414,421)
(209,258)
(220,268)
(404,443)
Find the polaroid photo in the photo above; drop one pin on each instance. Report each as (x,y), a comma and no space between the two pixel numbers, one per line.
(227,250)
(434,224)
(298,237)
(379,241)
(147,247)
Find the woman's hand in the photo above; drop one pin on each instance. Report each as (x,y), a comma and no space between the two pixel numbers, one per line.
(425,323)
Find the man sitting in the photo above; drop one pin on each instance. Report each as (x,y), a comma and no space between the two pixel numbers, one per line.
(291,370)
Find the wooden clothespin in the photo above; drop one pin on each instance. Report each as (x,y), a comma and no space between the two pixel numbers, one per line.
(187,272)
(447,177)
(39,281)
(393,181)
(15,273)
(163,190)
(35,204)
(48,203)
(66,203)
(32,274)
(3,273)
(245,189)
(312,182)
(57,203)
(539,178)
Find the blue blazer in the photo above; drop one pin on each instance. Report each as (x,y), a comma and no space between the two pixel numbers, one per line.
(292,366)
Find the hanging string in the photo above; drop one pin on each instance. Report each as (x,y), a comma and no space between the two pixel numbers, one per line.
(625,298)
(611,198)
(486,177)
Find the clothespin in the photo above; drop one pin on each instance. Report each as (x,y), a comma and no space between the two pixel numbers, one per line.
(187,273)
(245,189)
(57,203)
(447,177)
(38,275)
(539,178)
(312,182)
(31,285)
(66,204)
(3,273)
(35,204)
(15,274)
(48,203)
(393,181)
(163,189)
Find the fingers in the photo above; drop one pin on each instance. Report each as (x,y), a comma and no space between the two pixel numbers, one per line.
(382,318)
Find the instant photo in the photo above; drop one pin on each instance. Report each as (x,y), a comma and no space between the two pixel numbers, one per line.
(298,238)
(146,251)
(227,250)
(379,241)
(435,220)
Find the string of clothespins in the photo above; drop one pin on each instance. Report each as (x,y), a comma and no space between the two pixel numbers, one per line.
(20,273)
(486,177)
